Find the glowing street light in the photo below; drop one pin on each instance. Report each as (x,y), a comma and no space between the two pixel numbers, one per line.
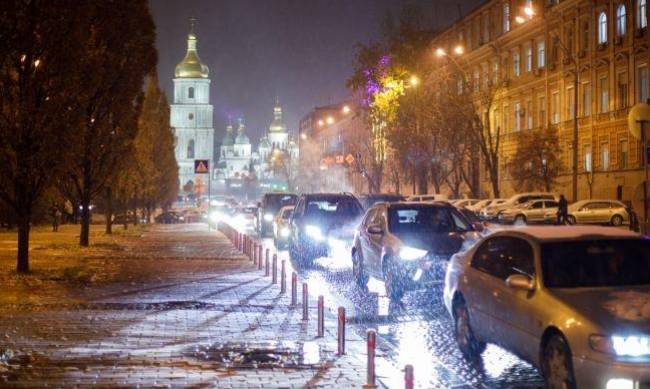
(414,81)
(321,123)
(346,109)
(440,52)
(459,50)
(330,120)
(520,20)
(529,11)
(303,136)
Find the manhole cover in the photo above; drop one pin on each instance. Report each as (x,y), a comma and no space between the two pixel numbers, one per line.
(287,354)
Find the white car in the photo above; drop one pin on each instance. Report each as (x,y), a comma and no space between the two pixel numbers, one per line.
(464,203)
(492,212)
(572,300)
(477,207)
(598,212)
(428,198)
(532,212)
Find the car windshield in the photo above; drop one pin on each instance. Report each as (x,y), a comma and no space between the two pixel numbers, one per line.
(425,219)
(333,207)
(596,263)
(275,202)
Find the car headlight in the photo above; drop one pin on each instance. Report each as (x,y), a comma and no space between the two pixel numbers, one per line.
(215,217)
(631,346)
(268,217)
(285,232)
(411,254)
(314,232)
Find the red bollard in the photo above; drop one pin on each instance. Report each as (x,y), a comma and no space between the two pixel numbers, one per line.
(321,317)
(283,278)
(341,331)
(254,253)
(259,257)
(305,302)
(274,278)
(372,343)
(294,289)
(409,380)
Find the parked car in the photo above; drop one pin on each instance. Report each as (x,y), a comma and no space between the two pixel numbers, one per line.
(369,200)
(268,208)
(321,218)
(244,217)
(462,203)
(281,227)
(572,300)
(192,215)
(598,212)
(408,244)
(535,211)
(477,207)
(428,197)
(491,212)
(169,217)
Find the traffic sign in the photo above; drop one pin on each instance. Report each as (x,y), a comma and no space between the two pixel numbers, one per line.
(349,159)
(201,166)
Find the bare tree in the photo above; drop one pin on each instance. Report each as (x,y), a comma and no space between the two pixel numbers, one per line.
(536,164)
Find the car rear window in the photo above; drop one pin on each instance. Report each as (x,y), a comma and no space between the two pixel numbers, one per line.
(596,263)
(278,201)
(333,206)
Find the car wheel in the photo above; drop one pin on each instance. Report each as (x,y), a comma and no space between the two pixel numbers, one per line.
(360,275)
(556,364)
(520,219)
(571,219)
(617,220)
(469,346)
(394,287)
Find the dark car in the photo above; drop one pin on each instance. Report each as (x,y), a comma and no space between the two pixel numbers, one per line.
(269,207)
(169,218)
(369,200)
(320,219)
(408,244)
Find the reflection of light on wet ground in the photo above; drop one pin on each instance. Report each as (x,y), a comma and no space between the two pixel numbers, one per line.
(334,262)
(496,361)
(412,349)
(376,286)
(310,353)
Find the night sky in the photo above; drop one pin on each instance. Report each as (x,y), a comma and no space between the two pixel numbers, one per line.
(299,50)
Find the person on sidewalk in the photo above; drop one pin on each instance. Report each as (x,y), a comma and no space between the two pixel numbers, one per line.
(562,210)
(56,219)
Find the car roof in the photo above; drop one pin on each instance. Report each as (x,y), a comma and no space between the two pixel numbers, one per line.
(562,233)
(326,195)
(404,204)
(598,201)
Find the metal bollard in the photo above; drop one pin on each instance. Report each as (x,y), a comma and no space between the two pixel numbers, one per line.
(372,343)
(305,302)
(259,257)
(283,278)
(294,289)
(255,253)
(267,270)
(409,380)
(321,317)
(274,279)
(341,331)
(268,256)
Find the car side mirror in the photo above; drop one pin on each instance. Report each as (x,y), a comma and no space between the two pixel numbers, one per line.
(375,230)
(520,281)
(478,226)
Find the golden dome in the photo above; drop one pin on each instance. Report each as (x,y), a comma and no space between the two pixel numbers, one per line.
(191,66)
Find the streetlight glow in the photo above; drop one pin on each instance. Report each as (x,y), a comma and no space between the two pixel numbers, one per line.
(440,52)
(520,20)
(414,81)
(303,136)
(346,109)
(459,50)
(330,120)
(321,123)
(529,11)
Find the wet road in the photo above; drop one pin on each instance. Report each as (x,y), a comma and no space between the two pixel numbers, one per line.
(418,331)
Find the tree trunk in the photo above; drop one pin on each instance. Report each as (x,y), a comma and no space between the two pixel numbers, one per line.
(109,211)
(84,236)
(22,265)
(494,180)
(423,186)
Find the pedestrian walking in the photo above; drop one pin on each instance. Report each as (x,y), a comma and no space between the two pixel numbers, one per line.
(634,220)
(562,210)
(56,219)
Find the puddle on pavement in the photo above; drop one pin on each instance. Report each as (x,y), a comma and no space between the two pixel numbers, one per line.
(270,354)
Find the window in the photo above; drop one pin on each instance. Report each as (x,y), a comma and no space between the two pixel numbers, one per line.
(190,116)
(486,28)
(459,85)
(623,153)
(506,113)
(190,149)
(528,65)
(604,95)
(502,257)
(517,118)
(569,41)
(477,80)
(516,64)
(604,155)
(586,158)
(495,72)
(506,17)
(570,99)
(555,107)
(486,75)
(529,114)
(641,17)
(602,28)
(585,36)
(642,83)
(541,54)
(620,20)
(190,92)
(542,112)
(586,99)
(622,90)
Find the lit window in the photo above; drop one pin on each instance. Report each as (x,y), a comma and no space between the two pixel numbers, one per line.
(516,64)
(541,54)
(542,112)
(604,156)
(586,99)
(190,92)
(586,157)
(620,20)
(517,121)
(555,107)
(506,17)
(622,153)
(528,65)
(643,83)
(495,72)
(641,17)
(604,95)
(570,99)
(602,28)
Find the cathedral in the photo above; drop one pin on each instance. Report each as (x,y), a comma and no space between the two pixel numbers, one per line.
(272,167)
(191,119)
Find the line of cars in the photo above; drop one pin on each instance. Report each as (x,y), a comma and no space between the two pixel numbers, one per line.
(572,300)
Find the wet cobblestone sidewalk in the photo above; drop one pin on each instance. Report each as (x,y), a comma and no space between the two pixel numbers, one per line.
(213,323)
